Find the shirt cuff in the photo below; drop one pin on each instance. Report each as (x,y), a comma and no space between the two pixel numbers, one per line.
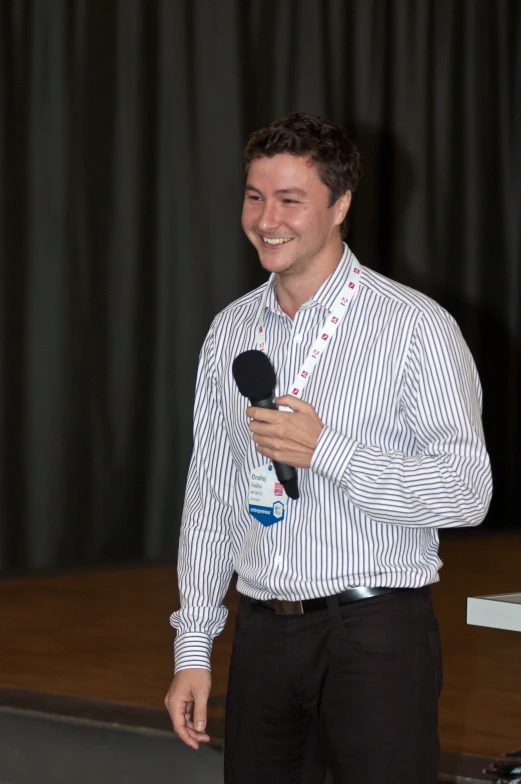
(332,455)
(192,649)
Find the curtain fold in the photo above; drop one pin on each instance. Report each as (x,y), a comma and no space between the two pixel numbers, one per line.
(122,125)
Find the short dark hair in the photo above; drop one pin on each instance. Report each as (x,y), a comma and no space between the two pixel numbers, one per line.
(325,144)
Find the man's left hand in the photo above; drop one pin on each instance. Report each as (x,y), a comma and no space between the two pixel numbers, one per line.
(284,436)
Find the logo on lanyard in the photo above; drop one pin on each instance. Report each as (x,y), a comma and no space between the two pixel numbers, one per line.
(338,312)
(267,498)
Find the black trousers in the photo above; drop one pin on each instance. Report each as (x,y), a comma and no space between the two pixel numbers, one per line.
(354,689)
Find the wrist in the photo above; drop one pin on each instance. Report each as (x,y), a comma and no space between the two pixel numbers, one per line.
(332,455)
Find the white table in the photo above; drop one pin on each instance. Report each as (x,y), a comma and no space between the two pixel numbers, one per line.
(502,611)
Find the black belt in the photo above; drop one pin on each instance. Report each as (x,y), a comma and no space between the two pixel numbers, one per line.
(281,607)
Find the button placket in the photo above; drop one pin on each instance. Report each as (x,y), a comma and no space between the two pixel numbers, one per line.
(295,347)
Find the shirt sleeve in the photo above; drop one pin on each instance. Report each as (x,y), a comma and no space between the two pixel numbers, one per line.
(205,560)
(445,480)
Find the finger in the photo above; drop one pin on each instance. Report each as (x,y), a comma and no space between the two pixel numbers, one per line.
(177,712)
(262,414)
(189,735)
(280,457)
(268,442)
(189,715)
(199,737)
(184,734)
(193,732)
(278,443)
(264,428)
(297,457)
(200,712)
(295,403)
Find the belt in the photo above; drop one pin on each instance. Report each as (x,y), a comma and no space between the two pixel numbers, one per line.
(281,607)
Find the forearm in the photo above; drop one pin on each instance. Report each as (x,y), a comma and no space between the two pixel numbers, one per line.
(435,488)
(205,568)
(205,559)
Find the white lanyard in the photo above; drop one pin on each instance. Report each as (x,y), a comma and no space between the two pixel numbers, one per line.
(322,342)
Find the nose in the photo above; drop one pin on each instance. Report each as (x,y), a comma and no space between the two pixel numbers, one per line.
(269,218)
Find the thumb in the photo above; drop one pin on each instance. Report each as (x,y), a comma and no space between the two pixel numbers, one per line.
(200,702)
(295,403)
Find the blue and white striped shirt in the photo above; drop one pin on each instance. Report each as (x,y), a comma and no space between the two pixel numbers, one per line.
(402,454)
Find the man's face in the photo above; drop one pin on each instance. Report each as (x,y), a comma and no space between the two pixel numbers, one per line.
(286,214)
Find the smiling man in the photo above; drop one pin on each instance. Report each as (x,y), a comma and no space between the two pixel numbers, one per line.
(294,222)
(336,659)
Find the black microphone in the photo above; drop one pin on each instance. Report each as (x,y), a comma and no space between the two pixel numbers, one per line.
(255,377)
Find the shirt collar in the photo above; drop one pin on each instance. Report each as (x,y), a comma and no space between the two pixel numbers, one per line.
(271,296)
(327,294)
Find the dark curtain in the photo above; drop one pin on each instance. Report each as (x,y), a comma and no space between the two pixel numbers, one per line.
(121,131)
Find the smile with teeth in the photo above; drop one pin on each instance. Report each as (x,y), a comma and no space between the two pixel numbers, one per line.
(277,241)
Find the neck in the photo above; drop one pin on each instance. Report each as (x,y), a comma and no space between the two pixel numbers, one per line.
(294,288)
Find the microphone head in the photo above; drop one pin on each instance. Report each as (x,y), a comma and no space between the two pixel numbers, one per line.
(254,375)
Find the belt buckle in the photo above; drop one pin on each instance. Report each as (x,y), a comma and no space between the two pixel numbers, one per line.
(283,607)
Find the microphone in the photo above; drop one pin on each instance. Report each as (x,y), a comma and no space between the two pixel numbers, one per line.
(255,377)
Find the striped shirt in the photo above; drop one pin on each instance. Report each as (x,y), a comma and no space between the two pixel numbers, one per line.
(402,454)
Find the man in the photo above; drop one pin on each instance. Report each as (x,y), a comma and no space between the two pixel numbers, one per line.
(336,661)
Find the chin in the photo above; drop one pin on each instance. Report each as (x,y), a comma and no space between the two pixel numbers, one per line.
(275,261)
(274,265)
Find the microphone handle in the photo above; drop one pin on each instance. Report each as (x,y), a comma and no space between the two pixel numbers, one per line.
(287,475)
(268,402)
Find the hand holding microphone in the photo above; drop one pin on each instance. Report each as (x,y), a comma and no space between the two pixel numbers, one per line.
(288,439)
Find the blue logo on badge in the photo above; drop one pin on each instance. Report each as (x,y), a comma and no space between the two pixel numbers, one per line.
(268,515)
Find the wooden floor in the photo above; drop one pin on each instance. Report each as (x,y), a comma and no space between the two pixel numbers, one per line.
(104,635)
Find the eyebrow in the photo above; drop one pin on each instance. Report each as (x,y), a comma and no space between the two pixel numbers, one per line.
(281,191)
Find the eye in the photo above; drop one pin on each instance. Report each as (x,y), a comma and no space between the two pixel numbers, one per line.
(253,197)
(290,201)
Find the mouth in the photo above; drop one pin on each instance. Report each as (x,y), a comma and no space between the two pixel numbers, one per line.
(273,243)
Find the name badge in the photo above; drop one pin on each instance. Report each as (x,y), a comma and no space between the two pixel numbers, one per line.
(267,497)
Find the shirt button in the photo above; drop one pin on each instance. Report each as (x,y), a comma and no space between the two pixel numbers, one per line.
(278,560)
(298,338)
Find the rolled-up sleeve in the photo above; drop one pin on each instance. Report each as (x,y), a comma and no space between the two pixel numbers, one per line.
(446,481)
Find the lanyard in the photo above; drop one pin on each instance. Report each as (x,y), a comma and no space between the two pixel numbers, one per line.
(322,342)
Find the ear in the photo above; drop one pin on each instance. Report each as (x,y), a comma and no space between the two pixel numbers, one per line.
(342,207)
